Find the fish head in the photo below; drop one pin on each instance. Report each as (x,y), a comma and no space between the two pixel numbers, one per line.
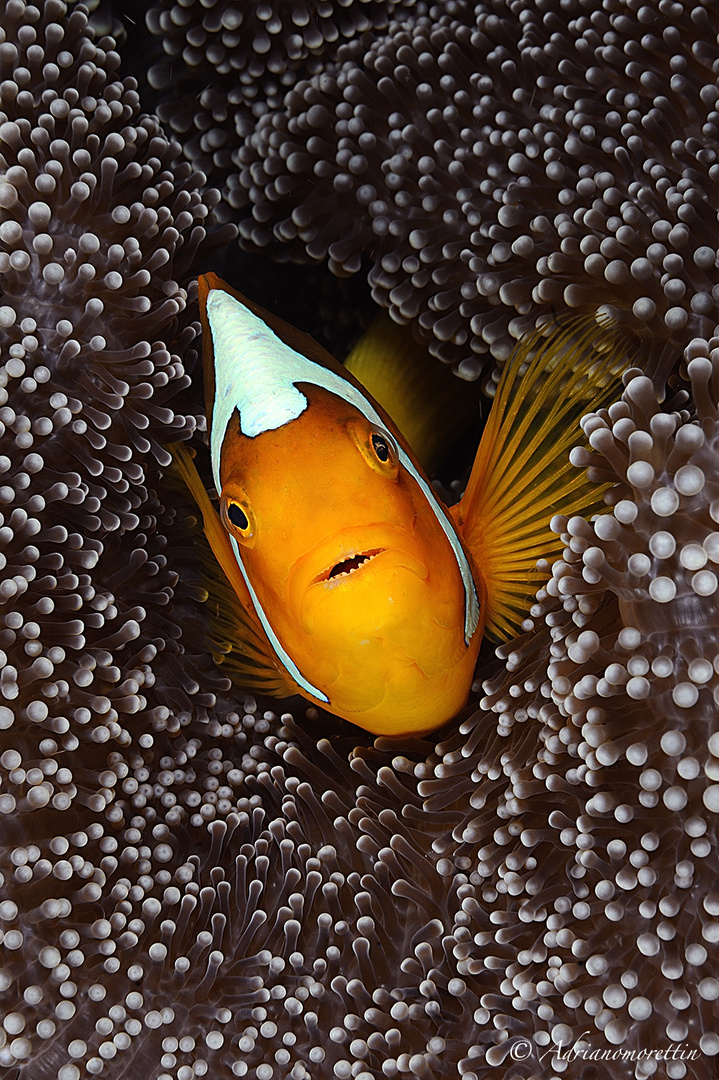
(350,559)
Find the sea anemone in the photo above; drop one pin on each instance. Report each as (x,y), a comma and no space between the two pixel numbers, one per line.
(618,684)
(95,217)
(482,163)
(195,884)
(224,64)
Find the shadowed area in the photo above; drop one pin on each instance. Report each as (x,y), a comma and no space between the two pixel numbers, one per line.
(197,883)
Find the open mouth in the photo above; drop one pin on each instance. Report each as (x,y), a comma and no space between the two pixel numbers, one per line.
(349,565)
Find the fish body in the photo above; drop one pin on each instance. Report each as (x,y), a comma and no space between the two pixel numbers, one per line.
(359,588)
(352,565)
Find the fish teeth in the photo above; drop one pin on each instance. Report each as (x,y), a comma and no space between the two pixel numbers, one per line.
(357,560)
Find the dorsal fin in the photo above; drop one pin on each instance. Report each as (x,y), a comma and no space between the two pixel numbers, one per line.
(236,636)
(430,406)
(522,476)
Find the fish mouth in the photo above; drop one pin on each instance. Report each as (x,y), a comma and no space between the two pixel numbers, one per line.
(348,566)
(331,565)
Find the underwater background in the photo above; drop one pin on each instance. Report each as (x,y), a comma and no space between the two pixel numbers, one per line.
(195,882)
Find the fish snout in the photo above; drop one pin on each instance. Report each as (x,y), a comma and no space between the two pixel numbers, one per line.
(349,557)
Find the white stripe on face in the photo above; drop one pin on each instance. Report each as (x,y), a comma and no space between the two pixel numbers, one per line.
(284,657)
(256,374)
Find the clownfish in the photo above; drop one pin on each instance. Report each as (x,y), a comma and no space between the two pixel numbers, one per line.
(338,572)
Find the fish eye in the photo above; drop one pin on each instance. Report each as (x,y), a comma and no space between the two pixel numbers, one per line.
(238,518)
(380,447)
(381,452)
(376,446)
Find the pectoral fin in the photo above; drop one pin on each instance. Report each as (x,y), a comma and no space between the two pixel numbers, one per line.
(236,636)
(522,476)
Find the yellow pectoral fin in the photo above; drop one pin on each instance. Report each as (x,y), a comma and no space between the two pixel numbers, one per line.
(522,476)
(236,635)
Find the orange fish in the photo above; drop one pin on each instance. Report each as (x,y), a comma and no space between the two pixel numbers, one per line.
(351,583)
